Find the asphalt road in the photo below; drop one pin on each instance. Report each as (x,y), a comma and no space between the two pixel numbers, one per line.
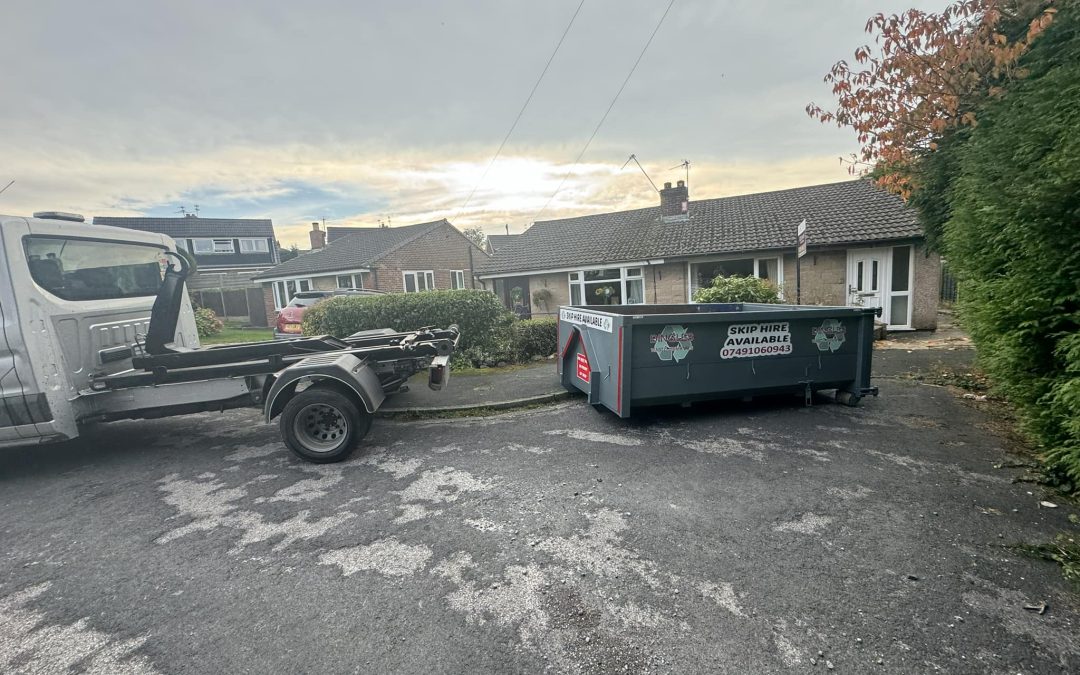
(764,537)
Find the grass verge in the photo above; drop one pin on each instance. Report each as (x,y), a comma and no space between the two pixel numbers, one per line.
(233,333)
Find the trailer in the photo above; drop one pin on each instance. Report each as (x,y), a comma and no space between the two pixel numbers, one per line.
(629,356)
(83,345)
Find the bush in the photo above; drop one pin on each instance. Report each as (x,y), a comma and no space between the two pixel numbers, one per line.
(1014,243)
(534,337)
(738,289)
(484,323)
(207,322)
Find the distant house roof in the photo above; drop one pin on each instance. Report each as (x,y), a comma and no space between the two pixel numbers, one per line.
(837,213)
(360,247)
(497,241)
(192,226)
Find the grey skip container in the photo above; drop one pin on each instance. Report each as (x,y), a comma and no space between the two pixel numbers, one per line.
(628,356)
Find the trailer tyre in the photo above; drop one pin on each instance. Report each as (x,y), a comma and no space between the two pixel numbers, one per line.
(323,425)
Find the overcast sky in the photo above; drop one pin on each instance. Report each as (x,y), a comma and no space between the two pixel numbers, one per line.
(358,111)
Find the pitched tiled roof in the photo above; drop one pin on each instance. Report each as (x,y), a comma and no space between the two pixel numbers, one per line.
(194,227)
(497,241)
(360,248)
(837,213)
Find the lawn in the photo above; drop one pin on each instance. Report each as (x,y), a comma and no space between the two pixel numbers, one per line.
(234,332)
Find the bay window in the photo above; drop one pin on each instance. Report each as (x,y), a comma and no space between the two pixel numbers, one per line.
(285,290)
(703,273)
(609,286)
(355,280)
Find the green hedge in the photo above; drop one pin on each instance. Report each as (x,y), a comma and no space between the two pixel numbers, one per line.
(738,289)
(484,322)
(1013,239)
(534,337)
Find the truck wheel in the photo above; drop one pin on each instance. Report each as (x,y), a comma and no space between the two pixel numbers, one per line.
(323,425)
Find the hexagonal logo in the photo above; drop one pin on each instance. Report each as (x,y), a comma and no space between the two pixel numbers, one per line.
(830,335)
(673,343)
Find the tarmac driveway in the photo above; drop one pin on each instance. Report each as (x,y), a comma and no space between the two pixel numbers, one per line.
(738,538)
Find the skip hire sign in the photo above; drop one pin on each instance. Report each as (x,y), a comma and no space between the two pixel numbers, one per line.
(598,321)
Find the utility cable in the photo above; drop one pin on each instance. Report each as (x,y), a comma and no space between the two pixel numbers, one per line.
(521,112)
(606,112)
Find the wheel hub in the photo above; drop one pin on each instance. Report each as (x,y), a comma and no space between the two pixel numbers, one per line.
(321,427)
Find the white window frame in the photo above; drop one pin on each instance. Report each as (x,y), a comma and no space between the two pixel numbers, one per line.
(428,277)
(284,290)
(254,245)
(356,279)
(758,259)
(576,279)
(216,246)
(457,279)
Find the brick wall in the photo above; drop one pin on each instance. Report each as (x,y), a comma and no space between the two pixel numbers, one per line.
(441,251)
(926,291)
(666,284)
(268,302)
(824,278)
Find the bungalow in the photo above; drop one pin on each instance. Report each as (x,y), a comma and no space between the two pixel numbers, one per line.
(865,247)
(405,259)
(228,251)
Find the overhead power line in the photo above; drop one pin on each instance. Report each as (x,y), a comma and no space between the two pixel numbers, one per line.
(7,186)
(521,112)
(606,112)
(643,172)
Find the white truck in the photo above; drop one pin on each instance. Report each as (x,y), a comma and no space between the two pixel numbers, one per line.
(96,325)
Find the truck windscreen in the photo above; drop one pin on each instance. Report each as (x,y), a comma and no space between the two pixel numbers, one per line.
(89,269)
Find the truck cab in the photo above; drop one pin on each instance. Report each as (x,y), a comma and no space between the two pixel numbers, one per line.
(74,299)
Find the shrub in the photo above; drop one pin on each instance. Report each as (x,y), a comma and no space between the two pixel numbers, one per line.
(1013,241)
(207,322)
(534,337)
(483,321)
(738,289)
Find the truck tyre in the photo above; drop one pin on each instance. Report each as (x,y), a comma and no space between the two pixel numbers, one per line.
(322,425)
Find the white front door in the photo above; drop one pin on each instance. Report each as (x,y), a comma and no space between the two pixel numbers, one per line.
(866,277)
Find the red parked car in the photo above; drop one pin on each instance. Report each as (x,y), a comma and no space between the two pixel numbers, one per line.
(291,316)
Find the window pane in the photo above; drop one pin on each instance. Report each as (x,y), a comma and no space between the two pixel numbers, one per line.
(290,289)
(223,246)
(767,269)
(873,275)
(79,269)
(901,262)
(633,272)
(202,245)
(575,294)
(344,281)
(603,293)
(599,275)
(410,283)
(304,285)
(575,276)
(704,273)
(859,275)
(635,291)
(898,310)
(279,294)
(363,279)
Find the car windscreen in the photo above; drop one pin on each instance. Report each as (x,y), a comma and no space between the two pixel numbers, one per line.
(91,269)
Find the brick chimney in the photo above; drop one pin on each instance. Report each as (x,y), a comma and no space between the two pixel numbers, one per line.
(317,236)
(675,201)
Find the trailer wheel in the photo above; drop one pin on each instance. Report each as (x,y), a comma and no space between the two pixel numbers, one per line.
(322,425)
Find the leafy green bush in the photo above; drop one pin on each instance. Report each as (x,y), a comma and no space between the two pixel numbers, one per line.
(738,289)
(1013,240)
(534,337)
(484,322)
(207,322)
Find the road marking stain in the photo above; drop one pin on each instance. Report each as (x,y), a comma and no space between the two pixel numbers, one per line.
(443,485)
(596,437)
(246,452)
(411,512)
(807,523)
(30,644)
(388,557)
(857,492)
(722,594)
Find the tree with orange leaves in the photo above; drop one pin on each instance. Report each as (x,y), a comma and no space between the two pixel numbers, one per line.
(925,77)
